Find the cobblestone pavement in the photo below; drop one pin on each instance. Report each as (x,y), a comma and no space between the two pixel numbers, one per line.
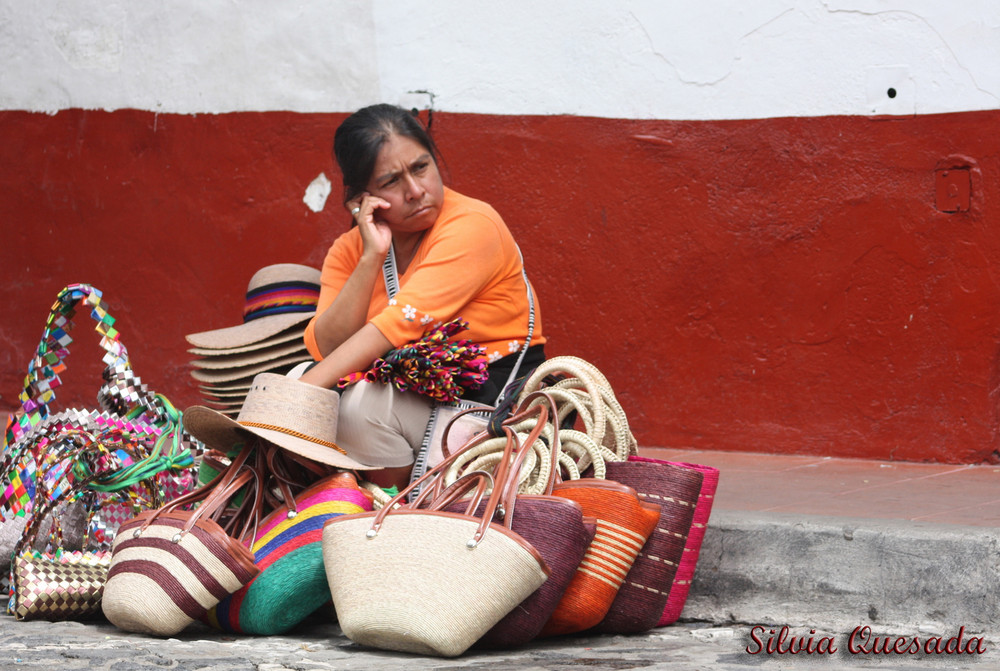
(318,645)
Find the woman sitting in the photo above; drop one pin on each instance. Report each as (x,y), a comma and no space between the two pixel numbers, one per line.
(418,255)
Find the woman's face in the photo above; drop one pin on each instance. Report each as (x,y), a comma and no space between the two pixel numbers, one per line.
(407,177)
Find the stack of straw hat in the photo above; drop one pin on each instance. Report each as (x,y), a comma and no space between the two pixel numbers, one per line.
(280,301)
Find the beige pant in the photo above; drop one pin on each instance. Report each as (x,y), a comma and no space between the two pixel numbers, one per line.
(381,426)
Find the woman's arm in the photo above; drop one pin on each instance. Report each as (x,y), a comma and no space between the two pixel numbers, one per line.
(355,354)
(349,310)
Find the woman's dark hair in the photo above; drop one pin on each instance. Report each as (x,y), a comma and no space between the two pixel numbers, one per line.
(360,137)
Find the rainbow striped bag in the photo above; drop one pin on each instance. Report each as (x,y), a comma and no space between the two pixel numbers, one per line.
(288,550)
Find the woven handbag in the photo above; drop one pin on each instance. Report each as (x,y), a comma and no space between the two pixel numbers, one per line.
(288,551)
(134,441)
(642,598)
(624,524)
(692,547)
(580,390)
(169,566)
(57,585)
(427,581)
(553,525)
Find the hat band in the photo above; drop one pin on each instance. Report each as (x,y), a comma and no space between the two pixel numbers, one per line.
(280,298)
(294,434)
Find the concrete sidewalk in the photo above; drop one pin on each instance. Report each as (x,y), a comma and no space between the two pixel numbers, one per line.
(840,543)
(823,546)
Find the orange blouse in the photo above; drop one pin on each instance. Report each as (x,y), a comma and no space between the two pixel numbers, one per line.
(466,266)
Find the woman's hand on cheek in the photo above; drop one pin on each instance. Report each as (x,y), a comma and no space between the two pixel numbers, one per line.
(375,234)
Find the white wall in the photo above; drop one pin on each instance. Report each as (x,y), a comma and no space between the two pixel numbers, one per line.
(673,59)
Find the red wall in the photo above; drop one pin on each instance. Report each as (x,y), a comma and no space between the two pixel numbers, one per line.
(778,285)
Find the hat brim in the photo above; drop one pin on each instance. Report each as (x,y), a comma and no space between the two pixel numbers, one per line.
(224,395)
(221,432)
(215,388)
(280,339)
(248,372)
(250,358)
(248,333)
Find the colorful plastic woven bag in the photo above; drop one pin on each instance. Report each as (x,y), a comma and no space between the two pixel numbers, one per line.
(169,566)
(55,585)
(288,551)
(59,586)
(642,598)
(131,444)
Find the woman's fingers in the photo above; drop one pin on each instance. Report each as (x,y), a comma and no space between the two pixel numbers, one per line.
(363,207)
(374,233)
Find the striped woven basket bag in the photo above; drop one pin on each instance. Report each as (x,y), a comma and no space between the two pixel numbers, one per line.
(624,524)
(169,566)
(692,547)
(643,596)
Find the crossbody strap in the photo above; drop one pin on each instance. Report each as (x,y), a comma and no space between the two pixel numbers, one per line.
(389,273)
(391,278)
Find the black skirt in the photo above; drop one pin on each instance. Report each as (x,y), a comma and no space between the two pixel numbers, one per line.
(500,370)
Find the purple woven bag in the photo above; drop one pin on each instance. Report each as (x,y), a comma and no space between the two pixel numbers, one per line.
(557,529)
(643,596)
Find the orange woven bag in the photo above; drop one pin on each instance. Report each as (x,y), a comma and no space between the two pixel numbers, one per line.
(624,523)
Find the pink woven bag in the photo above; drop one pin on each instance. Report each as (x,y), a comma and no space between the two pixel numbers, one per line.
(689,560)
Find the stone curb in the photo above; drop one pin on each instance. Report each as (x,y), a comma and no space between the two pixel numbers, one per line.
(839,573)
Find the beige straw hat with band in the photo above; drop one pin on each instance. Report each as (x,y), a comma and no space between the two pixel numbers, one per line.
(299,417)
(278,297)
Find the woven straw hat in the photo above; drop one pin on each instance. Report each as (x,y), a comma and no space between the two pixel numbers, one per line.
(226,376)
(278,297)
(291,335)
(252,358)
(299,417)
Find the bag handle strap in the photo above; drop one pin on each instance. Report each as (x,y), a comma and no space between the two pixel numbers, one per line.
(48,362)
(507,469)
(435,474)
(511,492)
(216,492)
(457,490)
(278,471)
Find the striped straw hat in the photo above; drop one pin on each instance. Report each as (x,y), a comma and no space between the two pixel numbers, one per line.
(278,297)
(294,415)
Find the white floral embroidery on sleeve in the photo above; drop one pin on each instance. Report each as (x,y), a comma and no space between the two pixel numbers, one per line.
(513,346)
(426,319)
(409,313)
(495,356)
(392,301)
